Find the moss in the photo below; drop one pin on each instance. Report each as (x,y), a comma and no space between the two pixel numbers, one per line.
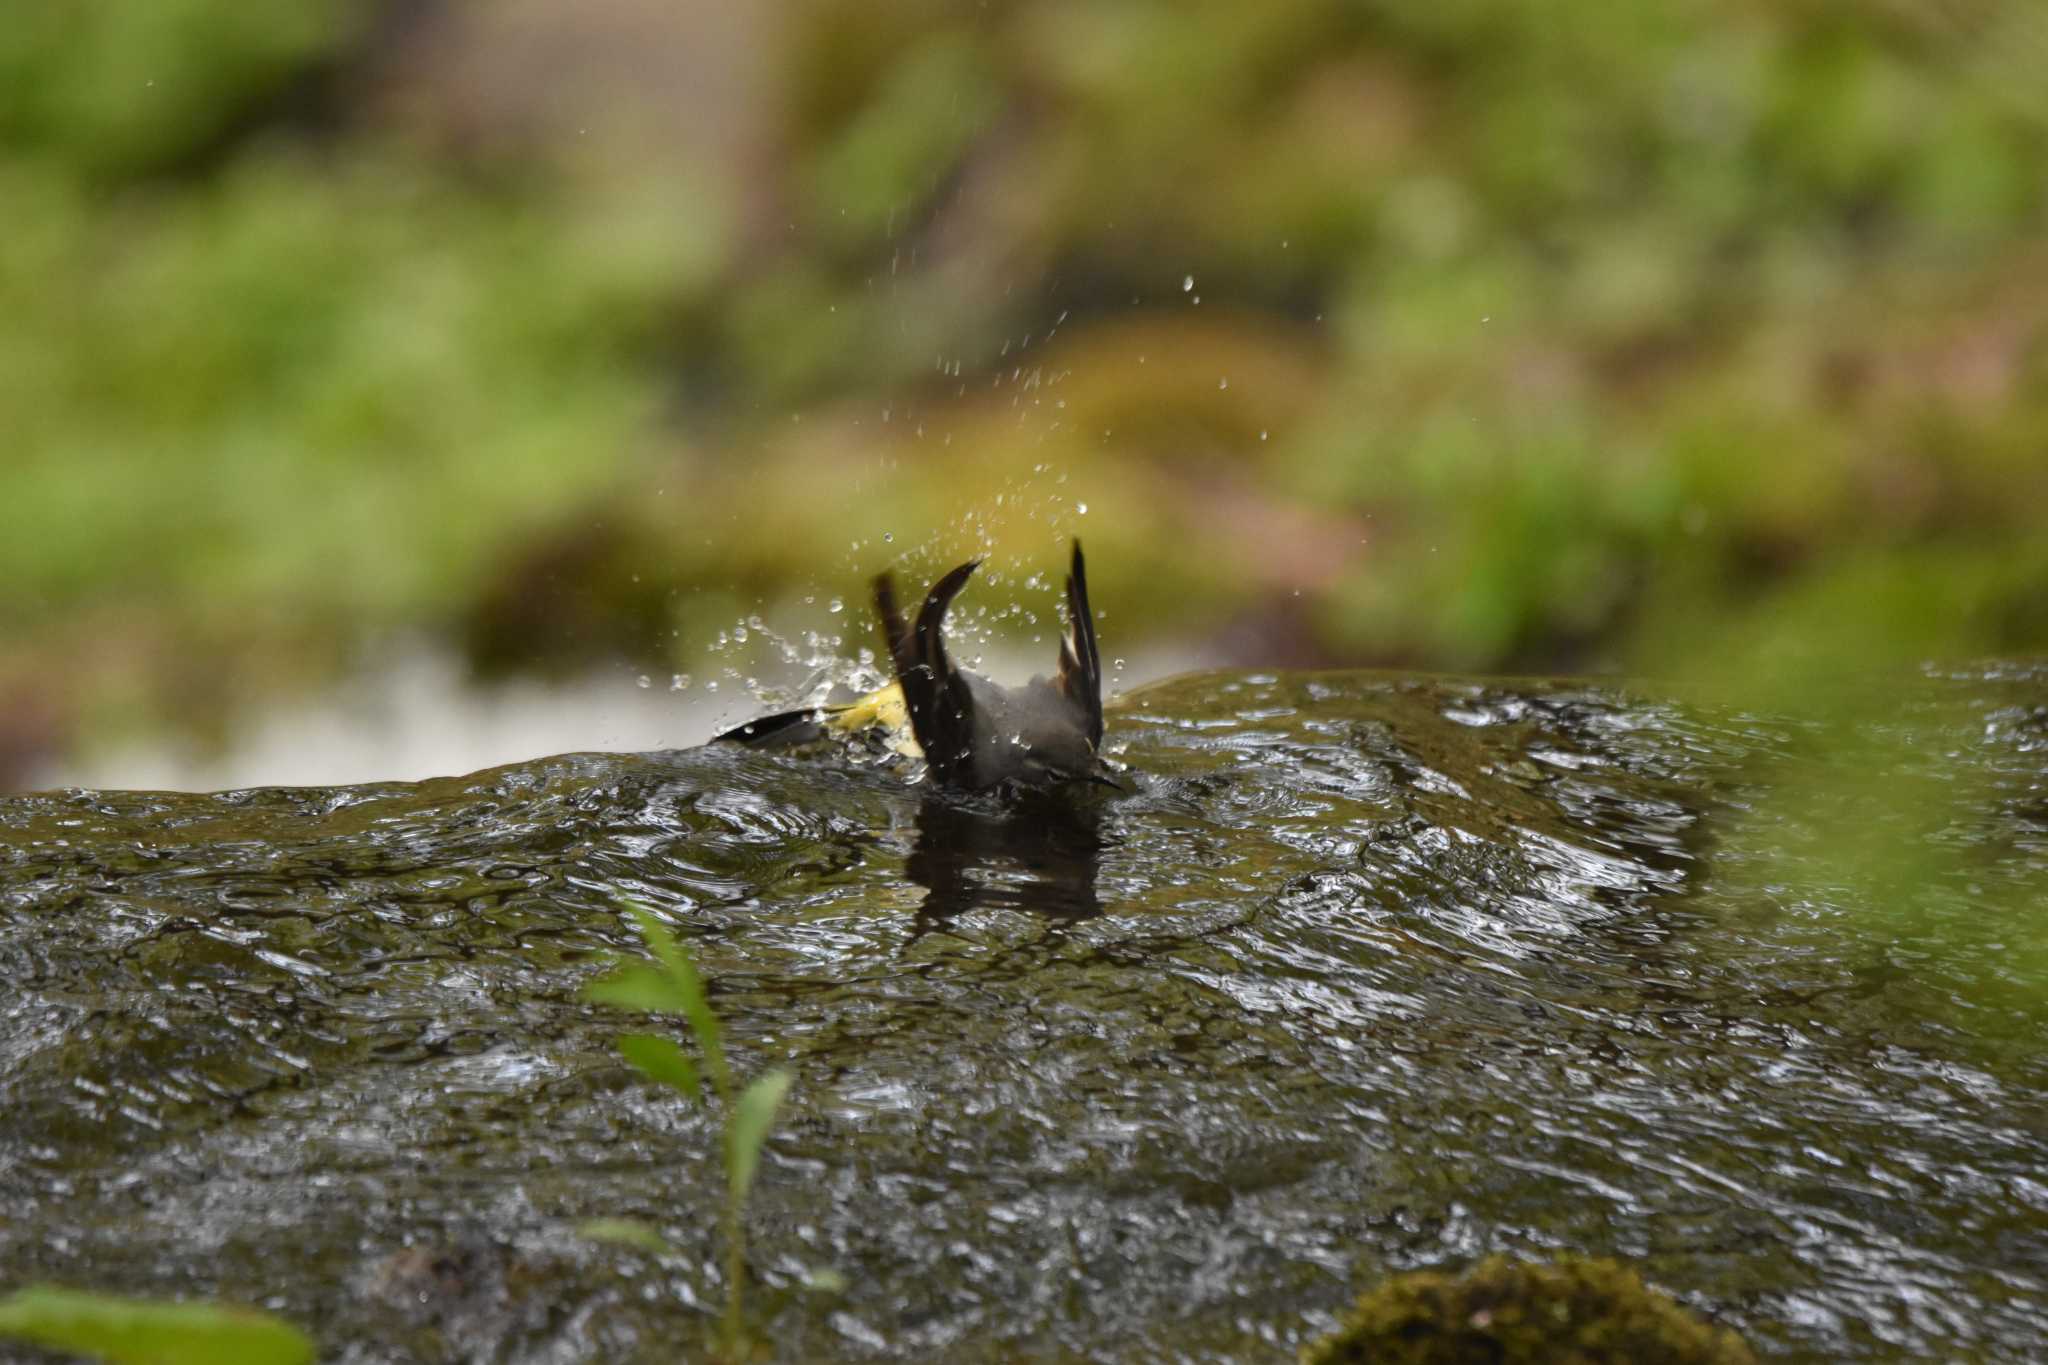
(1577,1311)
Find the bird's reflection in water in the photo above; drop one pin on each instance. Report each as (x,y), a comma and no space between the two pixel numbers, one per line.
(1038,853)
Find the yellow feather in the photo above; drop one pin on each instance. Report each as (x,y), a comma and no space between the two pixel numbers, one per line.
(881,709)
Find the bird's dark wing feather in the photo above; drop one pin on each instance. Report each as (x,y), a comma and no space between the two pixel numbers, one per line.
(786,727)
(934,692)
(1080,674)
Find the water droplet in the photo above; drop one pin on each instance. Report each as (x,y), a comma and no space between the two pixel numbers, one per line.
(1262,436)
(1119,665)
(836,606)
(1081,509)
(1187,285)
(678,682)
(711,686)
(644,681)
(1224,382)
(888,537)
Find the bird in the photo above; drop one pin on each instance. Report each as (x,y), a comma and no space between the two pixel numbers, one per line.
(975,734)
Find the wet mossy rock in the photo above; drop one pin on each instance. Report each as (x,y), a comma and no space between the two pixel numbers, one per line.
(1576,1311)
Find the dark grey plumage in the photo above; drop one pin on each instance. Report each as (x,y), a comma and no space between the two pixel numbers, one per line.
(976,733)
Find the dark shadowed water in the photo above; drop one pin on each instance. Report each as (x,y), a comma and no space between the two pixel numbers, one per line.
(1368,973)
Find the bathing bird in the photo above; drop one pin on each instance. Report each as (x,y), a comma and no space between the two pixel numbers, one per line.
(974,733)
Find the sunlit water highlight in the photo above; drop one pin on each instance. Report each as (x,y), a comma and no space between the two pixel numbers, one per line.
(1366,973)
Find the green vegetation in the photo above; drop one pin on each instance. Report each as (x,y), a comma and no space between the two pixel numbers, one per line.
(670,985)
(1574,1312)
(144,1332)
(1481,334)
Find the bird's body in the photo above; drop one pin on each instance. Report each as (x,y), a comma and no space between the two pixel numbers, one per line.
(974,733)
(1022,734)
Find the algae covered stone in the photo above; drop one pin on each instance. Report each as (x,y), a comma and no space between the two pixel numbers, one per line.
(1576,1311)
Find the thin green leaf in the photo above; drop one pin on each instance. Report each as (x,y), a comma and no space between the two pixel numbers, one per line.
(747,1128)
(695,1004)
(638,986)
(626,1232)
(661,1060)
(150,1332)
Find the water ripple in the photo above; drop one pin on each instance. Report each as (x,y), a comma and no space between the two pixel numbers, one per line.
(1366,972)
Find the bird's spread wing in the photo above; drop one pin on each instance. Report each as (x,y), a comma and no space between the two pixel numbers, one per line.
(1080,675)
(941,708)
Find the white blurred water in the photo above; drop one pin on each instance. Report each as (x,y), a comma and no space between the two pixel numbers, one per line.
(417,714)
(414,715)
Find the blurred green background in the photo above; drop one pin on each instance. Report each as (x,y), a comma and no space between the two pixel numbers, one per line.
(1696,338)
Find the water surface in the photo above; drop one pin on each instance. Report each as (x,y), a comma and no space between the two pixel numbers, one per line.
(1366,973)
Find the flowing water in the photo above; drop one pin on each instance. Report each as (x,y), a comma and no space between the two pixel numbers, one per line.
(1365,973)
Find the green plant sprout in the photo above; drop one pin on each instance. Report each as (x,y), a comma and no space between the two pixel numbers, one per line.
(670,985)
(124,1331)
